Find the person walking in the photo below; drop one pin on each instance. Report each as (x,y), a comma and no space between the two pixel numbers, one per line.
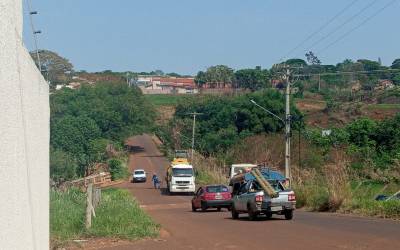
(156,181)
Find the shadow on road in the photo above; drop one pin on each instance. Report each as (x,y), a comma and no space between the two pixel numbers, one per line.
(134,149)
(164,191)
(260,218)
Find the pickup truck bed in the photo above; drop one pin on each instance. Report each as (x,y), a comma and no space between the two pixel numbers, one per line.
(249,199)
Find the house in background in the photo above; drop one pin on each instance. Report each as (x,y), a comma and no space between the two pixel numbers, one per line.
(166,85)
(384,84)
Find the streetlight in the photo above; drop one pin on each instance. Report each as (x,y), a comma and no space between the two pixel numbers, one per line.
(286,123)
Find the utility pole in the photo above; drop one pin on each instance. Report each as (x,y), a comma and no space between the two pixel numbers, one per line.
(319,82)
(287,125)
(193,130)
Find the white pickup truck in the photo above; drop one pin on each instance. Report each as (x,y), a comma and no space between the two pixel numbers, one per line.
(249,197)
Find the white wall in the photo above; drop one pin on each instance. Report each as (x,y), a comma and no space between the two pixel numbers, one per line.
(24,137)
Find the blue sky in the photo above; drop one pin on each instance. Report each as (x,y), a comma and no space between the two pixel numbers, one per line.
(186,36)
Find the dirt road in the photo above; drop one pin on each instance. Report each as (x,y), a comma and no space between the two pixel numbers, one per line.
(183,229)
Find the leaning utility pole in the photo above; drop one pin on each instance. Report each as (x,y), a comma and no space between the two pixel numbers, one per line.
(287,125)
(193,130)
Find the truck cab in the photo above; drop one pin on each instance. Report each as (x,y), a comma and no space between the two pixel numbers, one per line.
(180,177)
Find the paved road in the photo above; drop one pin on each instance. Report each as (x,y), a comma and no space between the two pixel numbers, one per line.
(183,229)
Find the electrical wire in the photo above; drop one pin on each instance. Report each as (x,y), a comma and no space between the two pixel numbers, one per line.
(30,13)
(319,29)
(358,26)
(337,28)
(350,72)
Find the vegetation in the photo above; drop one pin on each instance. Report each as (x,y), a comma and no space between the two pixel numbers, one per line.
(118,215)
(85,121)
(57,70)
(372,145)
(167,100)
(225,120)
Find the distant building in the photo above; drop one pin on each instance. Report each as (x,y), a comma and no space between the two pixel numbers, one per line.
(384,84)
(166,85)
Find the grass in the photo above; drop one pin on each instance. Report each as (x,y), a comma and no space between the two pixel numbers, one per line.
(166,100)
(333,190)
(117,216)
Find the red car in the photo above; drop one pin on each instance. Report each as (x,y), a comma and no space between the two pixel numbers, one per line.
(212,196)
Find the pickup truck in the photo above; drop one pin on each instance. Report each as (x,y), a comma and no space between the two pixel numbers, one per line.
(250,198)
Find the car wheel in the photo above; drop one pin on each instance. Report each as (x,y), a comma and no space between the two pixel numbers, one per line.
(193,208)
(218,209)
(288,214)
(268,215)
(235,214)
(252,215)
(203,206)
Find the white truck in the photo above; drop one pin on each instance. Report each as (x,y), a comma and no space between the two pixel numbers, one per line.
(240,169)
(180,177)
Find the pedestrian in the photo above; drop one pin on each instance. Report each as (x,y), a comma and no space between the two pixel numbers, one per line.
(156,181)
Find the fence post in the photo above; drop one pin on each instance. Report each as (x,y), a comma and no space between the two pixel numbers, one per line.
(89,205)
(97,197)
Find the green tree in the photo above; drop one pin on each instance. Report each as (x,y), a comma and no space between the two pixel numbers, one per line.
(296,62)
(56,69)
(63,166)
(219,76)
(396,64)
(252,78)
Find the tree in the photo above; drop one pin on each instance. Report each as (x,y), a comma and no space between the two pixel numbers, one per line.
(200,78)
(56,69)
(219,76)
(252,78)
(312,59)
(173,74)
(63,166)
(396,64)
(296,62)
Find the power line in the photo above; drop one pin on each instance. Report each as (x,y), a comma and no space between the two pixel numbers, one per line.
(342,25)
(350,72)
(34,32)
(358,26)
(319,29)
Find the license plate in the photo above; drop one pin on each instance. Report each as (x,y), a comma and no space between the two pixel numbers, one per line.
(276,209)
(218,197)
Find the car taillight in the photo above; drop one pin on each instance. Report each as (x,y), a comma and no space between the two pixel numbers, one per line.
(259,198)
(291,197)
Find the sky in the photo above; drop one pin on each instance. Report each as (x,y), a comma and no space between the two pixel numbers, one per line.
(186,36)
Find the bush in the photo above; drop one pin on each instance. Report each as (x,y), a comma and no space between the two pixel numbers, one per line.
(118,169)
(62,166)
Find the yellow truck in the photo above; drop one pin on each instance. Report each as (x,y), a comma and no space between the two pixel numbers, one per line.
(180,176)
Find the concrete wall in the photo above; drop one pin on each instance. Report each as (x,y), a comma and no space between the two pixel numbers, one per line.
(24,137)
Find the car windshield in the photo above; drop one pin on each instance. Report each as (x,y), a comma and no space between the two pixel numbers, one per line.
(181,154)
(139,172)
(182,171)
(216,189)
